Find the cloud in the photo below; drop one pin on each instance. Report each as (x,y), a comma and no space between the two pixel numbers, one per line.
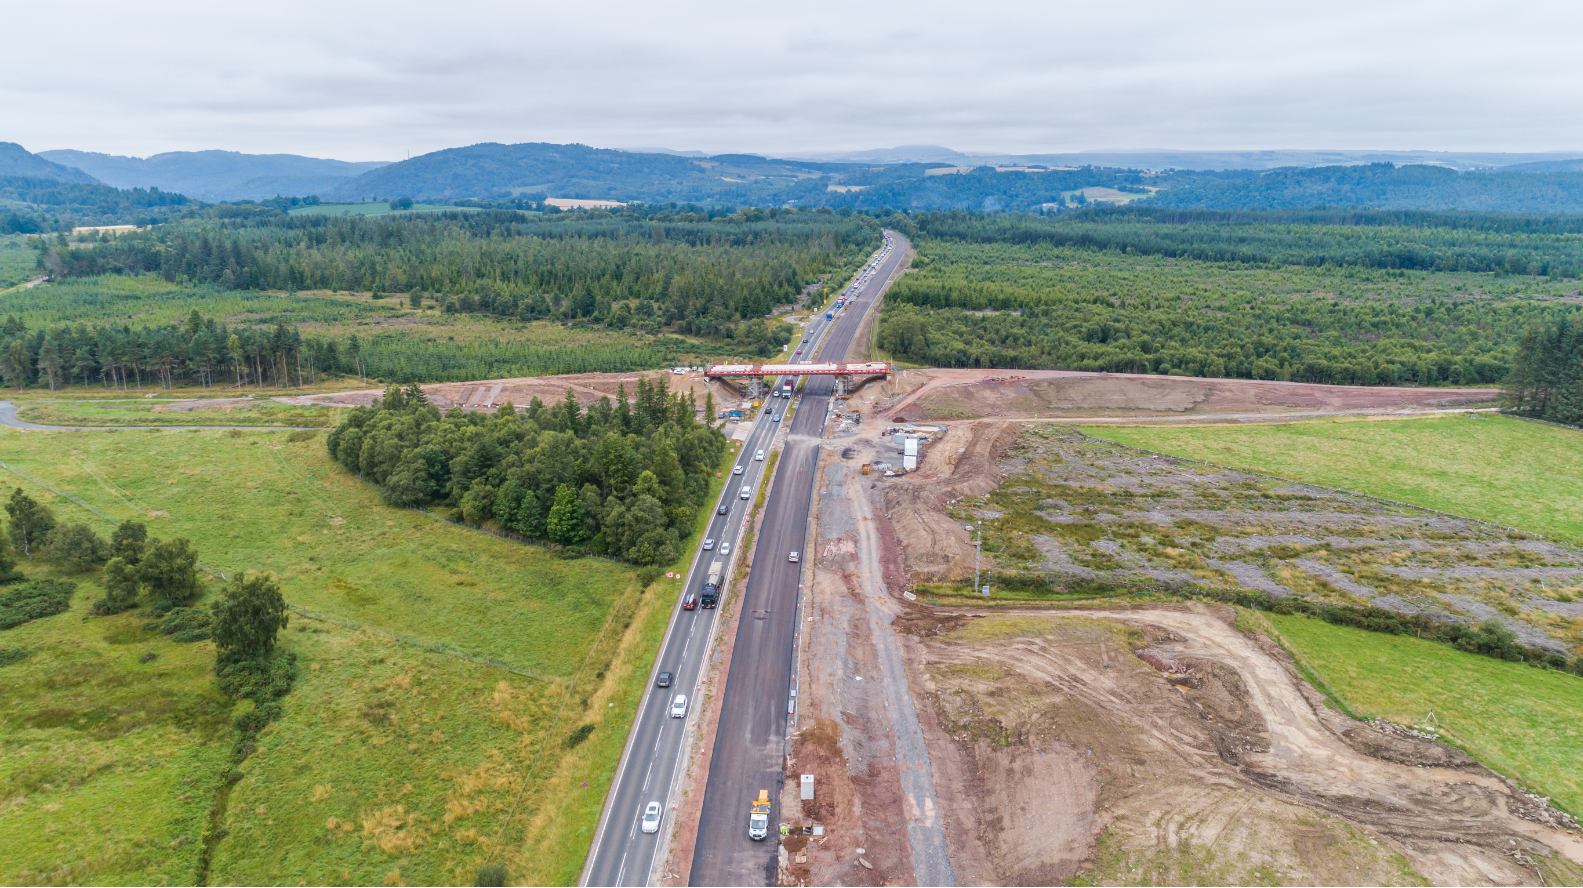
(374,81)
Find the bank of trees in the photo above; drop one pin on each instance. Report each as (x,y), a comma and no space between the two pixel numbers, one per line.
(1547,371)
(623,478)
(693,274)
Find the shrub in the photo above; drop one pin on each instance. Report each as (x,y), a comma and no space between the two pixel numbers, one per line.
(76,547)
(34,600)
(491,874)
(578,736)
(187,624)
(10,655)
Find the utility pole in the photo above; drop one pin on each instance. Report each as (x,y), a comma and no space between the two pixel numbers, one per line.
(977,548)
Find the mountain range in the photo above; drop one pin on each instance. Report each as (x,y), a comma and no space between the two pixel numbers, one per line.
(215,175)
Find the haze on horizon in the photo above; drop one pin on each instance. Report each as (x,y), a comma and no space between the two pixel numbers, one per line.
(362,83)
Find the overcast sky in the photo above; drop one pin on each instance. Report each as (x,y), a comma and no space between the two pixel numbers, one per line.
(372,81)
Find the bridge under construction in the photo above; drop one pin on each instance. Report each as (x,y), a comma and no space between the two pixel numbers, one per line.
(847,376)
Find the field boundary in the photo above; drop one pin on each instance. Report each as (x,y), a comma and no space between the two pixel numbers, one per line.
(1340,490)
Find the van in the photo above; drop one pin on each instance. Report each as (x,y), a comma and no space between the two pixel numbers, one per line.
(746,494)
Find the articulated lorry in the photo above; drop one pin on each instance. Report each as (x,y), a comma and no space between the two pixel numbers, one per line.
(712,583)
(759,817)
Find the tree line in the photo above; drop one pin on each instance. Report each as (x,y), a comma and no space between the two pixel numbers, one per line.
(1547,371)
(39,206)
(718,277)
(622,478)
(1385,185)
(200,351)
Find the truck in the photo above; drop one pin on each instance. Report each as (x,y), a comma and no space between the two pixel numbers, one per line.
(786,390)
(829,315)
(712,583)
(840,303)
(759,817)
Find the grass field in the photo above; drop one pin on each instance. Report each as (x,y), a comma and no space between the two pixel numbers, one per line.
(259,412)
(393,761)
(1516,718)
(378,208)
(1521,474)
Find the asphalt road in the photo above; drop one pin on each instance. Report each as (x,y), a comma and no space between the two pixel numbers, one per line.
(750,746)
(652,764)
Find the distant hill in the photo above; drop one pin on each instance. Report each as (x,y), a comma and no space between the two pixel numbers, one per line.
(17,161)
(1546,166)
(493,170)
(1387,187)
(217,175)
(30,205)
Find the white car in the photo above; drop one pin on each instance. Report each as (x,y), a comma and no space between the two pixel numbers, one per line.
(651,818)
(792,558)
(759,456)
(746,493)
(725,548)
(679,706)
(709,544)
(737,470)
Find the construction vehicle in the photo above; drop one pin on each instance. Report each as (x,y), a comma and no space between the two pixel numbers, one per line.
(712,583)
(865,468)
(759,817)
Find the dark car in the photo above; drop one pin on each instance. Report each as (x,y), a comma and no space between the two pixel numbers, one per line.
(664,681)
(723,509)
(689,601)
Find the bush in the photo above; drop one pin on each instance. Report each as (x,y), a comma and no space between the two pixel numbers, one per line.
(578,736)
(491,874)
(647,576)
(10,655)
(34,600)
(187,624)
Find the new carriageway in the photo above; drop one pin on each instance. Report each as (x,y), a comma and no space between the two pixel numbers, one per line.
(848,377)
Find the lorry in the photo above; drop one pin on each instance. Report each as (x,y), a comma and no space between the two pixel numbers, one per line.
(829,315)
(786,390)
(712,583)
(759,817)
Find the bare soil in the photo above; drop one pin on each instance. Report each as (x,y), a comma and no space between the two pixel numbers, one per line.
(1061,754)
(521,391)
(933,395)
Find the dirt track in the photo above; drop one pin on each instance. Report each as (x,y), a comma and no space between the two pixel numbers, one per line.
(932,395)
(1047,731)
(520,391)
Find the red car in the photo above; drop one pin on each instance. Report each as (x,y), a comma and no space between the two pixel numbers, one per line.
(689,602)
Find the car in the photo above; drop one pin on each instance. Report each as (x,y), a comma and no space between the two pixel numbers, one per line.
(746,493)
(792,558)
(738,470)
(799,351)
(759,456)
(689,601)
(663,680)
(725,548)
(777,417)
(724,508)
(709,544)
(679,706)
(651,818)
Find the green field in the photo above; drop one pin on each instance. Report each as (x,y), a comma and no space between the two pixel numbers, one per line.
(1495,468)
(377,208)
(1517,718)
(395,753)
(261,412)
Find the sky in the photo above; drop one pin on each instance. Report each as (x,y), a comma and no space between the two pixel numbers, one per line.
(377,81)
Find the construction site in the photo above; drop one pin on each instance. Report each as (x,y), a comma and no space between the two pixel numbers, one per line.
(1105,742)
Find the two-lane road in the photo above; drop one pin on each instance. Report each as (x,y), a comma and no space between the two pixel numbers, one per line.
(652,763)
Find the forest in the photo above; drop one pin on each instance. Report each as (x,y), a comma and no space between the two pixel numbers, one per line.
(712,277)
(1387,186)
(623,479)
(1547,371)
(35,206)
(1038,306)
(1502,243)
